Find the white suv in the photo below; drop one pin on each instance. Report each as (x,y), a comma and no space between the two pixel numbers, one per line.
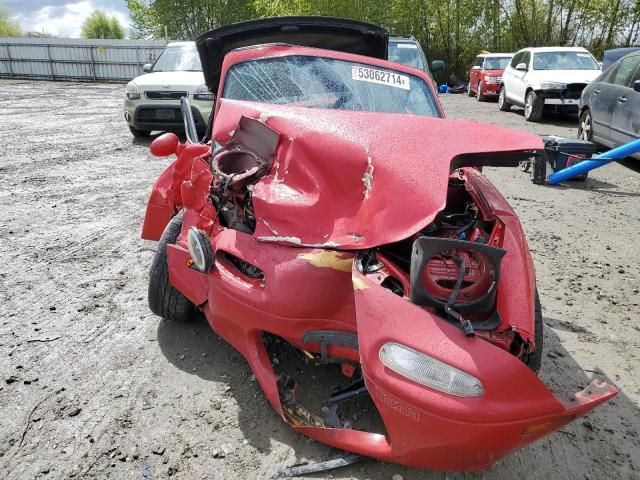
(546,76)
(152,101)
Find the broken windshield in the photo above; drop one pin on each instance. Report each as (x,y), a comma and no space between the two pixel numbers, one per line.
(179,58)
(317,82)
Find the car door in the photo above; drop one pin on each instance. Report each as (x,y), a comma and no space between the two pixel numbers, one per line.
(509,75)
(625,122)
(597,96)
(519,79)
(474,73)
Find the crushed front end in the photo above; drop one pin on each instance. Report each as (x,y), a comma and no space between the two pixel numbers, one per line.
(446,343)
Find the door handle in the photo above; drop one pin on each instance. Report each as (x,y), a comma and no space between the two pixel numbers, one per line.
(596,91)
(622,99)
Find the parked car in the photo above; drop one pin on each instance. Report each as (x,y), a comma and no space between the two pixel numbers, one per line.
(610,105)
(152,100)
(613,55)
(546,78)
(407,51)
(485,75)
(336,214)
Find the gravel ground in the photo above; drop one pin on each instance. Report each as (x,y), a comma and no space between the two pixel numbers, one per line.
(95,386)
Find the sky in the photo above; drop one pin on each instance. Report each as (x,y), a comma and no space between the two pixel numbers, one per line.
(62,18)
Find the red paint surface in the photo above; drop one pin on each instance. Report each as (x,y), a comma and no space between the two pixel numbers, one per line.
(314,194)
(487,89)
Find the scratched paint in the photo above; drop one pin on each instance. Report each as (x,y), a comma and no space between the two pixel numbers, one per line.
(359,284)
(294,240)
(367,178)
(329,259)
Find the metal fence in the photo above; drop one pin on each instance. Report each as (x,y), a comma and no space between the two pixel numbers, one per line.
(76,59)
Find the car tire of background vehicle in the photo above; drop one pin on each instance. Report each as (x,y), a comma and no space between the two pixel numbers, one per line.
(164,299)
(533,107)
(524,165)
(534,359)
(139,133)
(585,126)
(479,95)
(503,103)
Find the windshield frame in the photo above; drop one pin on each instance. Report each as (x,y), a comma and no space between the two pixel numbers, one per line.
(418,75)
(496,57)
(575,52)
(421,55)
(153,67)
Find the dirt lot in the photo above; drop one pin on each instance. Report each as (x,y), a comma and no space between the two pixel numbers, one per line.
(95,386)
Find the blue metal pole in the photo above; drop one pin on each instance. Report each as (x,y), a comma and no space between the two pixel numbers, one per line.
(596,161)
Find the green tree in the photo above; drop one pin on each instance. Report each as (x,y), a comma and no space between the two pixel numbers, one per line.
(182,21)
(7,27)
(99,25)
(451,30)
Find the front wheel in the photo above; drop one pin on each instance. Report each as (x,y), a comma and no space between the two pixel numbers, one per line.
(534,359)
(139,133)
(585,126)
(503,103)
(469,92)
(164,299)
(479,95)
(533,107)
(524,165)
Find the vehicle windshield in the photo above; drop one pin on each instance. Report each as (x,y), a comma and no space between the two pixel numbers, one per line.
(564,61)
(406,53)
(496,63)
(317,82)
(180,58)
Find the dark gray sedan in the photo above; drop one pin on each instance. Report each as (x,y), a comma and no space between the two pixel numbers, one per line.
(610,105)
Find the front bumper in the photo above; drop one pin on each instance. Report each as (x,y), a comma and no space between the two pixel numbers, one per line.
(430,429)
(567,98)
(164,115)
(490,89)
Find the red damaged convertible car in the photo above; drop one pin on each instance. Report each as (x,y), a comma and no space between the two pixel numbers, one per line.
(333,208)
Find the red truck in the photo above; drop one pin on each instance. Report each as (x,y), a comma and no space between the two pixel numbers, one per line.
(486,73)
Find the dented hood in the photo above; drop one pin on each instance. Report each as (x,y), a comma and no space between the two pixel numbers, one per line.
(353,180)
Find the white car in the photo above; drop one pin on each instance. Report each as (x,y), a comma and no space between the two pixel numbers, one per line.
(152,101)
(542,77)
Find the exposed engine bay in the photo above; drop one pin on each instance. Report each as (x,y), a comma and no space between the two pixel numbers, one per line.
(451,267)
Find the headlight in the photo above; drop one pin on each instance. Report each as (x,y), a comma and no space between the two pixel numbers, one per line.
(132,91)
(492,79)
(199,247)
(202,93)
(553,86)
(429,371)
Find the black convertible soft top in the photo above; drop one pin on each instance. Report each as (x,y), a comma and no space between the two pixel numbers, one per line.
(330,33)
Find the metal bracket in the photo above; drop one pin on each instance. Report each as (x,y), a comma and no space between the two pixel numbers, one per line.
(331,338)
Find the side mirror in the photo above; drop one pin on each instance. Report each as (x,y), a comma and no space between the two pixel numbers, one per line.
(165,145)
(522,67)
(475,67)
(437,66)
(146,68)
(636,85)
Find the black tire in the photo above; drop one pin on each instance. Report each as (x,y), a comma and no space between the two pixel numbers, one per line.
(479,96)
(533,107)
(503,103)
(534,359)
(139,133)
(585,126)
(164,299)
